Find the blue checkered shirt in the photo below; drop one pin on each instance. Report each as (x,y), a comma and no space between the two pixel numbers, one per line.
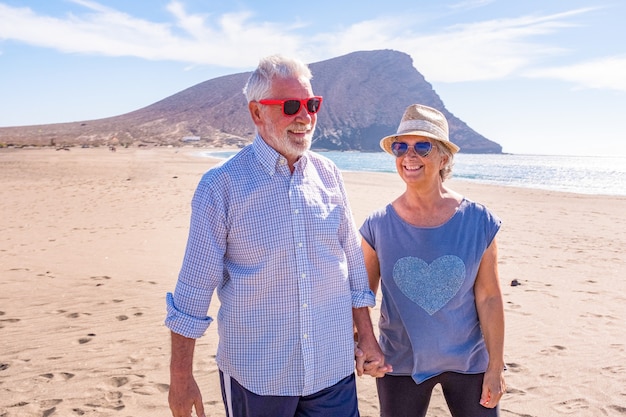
(283,253)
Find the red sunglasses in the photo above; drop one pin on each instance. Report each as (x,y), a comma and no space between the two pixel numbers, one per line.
(291,106)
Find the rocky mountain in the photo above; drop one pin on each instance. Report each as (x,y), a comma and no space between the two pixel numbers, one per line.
(365,94)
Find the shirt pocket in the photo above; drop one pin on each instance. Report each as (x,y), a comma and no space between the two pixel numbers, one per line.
(326,213)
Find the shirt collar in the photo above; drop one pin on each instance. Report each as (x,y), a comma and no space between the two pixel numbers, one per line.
(272,160)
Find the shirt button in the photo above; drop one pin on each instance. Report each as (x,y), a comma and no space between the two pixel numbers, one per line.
(303,275)
(305,305)
(296,211)
(300,244)
(306,336)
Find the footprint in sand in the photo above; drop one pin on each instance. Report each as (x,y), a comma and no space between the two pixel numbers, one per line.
(553,350)
(84,340)
(514,367)
(20,404)
(49,412)
(10,320)
(123,317)
(572,405)
(514,391)
(63,375)
(118,381)
(112,400)
(50,403)
(100,278)
(149,389)
(163,387)
(513,306)
(611,370)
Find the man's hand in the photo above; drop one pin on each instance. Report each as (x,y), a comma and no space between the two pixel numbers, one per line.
(370,360)
(184,395)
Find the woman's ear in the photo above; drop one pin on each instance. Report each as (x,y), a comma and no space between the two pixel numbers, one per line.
(444,161)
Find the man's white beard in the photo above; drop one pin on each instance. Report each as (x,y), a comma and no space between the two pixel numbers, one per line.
(290,146)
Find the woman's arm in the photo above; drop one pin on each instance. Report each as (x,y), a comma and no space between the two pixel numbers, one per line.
(490,309)
(372,265)
(369,358)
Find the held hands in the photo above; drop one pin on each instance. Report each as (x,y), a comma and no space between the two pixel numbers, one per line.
(370,359)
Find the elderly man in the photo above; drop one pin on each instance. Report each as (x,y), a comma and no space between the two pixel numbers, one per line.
(272,231)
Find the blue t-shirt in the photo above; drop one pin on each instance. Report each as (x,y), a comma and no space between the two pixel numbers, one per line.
(428,321)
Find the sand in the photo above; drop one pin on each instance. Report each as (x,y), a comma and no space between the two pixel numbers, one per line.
(91,240)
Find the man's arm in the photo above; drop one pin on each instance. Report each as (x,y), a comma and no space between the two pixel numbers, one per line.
(184,392)
(369,358)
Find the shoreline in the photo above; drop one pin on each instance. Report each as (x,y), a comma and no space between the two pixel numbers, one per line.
(568,175)
(204,152)
(91,240)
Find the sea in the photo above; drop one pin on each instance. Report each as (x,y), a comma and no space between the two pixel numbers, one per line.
(595,175)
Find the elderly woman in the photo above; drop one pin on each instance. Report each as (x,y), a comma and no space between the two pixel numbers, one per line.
(434,254)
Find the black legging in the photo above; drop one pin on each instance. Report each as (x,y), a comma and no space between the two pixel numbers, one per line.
(400,396)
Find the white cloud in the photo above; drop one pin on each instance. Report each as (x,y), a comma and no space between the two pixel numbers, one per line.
(106,32)
(195,25)
(485,50)
(606,73)
(231,41)
(469,4)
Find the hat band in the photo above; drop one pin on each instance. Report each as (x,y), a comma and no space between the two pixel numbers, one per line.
(410,125)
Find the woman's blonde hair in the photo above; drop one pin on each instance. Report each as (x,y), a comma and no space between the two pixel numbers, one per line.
(445,172)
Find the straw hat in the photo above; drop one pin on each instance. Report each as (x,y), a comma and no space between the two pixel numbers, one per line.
(419,120)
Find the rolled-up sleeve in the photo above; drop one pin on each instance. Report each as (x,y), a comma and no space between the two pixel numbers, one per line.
(184,324)
(363,299)
(203,265)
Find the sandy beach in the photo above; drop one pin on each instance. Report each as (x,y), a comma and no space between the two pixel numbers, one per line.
(91,240)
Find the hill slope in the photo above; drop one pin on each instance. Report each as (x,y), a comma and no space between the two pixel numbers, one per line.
(365,94)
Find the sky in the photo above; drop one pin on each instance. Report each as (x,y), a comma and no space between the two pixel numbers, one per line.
(536,76)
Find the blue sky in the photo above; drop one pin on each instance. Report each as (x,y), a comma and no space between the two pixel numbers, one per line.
(536,76)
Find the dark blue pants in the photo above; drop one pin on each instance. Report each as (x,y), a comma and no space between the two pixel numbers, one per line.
(400,396)
(337,401)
